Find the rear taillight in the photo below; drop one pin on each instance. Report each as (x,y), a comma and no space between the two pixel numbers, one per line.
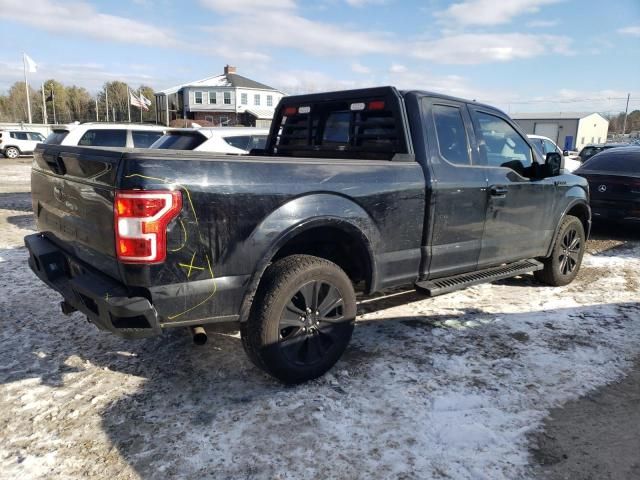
(141,219)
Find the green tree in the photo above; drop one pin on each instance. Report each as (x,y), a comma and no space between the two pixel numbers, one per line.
(80,104)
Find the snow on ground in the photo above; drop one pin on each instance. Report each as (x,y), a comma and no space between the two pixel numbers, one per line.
(447,387)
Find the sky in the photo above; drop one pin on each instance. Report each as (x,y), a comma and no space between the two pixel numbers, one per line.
(520,55)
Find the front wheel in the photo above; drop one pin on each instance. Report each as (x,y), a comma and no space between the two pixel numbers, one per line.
(12,152)
(301,320)
(566,257)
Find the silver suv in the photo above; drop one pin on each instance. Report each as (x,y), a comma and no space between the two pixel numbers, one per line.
(14,143)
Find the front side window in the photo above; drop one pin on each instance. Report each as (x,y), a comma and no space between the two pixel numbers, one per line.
(269,100)
(256,99)
(104,138)
(197,97)
(212,97)
(550,147)
(452,137)
(244,99)
(144,139)
(36,137)
(227,98)
(500,144)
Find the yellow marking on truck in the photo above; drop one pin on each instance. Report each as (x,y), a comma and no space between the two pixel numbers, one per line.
(215,288)
(191,266)
(184,242)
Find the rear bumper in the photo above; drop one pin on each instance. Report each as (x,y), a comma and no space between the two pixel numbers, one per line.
(104,301)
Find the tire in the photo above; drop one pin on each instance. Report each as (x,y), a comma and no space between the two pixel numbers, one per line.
(566,257)
(301,319)
(11,152)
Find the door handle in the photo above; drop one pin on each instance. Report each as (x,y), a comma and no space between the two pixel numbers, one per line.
(498,191)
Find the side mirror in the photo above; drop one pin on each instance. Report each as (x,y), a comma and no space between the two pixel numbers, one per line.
(565,153)
(554,163)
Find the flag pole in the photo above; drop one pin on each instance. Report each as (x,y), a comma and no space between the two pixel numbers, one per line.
(26,84)
(106,100)
(141,103)
(129,103)
(97,118)
(45,118)
(53,102)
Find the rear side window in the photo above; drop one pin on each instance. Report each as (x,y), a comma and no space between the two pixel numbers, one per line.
(19,135)
(590,151)
(144,139)
(500,144)
(104,138)
(452,137)
(618,162)
(56,137)
(179,141)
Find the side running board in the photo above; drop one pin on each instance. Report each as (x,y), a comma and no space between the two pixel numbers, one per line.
(464,280)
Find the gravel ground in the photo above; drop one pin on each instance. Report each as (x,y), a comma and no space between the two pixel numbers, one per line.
(459,386)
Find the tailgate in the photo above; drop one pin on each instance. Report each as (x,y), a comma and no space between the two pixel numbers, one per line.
(72,190)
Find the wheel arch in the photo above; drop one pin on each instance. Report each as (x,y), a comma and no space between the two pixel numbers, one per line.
(578,208)
(310,237)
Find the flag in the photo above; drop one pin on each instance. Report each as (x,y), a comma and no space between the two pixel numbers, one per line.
(135,101)
(32,67)
(145,100)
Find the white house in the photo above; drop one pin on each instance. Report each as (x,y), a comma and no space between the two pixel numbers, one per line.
(569,130)
(227,99)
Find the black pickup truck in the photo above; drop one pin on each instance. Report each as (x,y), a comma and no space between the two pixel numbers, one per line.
(355,191)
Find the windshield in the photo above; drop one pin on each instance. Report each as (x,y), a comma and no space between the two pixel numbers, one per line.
(179,141)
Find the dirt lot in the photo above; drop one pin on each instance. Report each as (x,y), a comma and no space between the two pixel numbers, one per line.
(509,380)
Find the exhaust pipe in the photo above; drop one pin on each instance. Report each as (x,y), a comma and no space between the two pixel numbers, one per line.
(199,335)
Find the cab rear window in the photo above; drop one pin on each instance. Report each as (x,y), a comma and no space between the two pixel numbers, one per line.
(325,127)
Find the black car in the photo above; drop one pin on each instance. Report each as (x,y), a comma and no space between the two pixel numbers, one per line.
(614,180)
(590,150)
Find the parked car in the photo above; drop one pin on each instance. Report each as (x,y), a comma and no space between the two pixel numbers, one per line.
(546,145)
(614,180)
(355,190)
(590,150)
(131,135)
(232,140)
(14,143)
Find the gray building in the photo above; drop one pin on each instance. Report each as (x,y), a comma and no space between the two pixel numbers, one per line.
(569,130)
(227,99)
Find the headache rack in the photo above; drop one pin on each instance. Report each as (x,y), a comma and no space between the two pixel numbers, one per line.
(352,124)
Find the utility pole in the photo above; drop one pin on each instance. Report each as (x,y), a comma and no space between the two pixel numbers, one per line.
(106,100)
(97,119)
(626,112)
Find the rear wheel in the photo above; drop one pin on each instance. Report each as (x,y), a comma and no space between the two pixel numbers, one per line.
(301,320)
(12,152)
(566,257)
